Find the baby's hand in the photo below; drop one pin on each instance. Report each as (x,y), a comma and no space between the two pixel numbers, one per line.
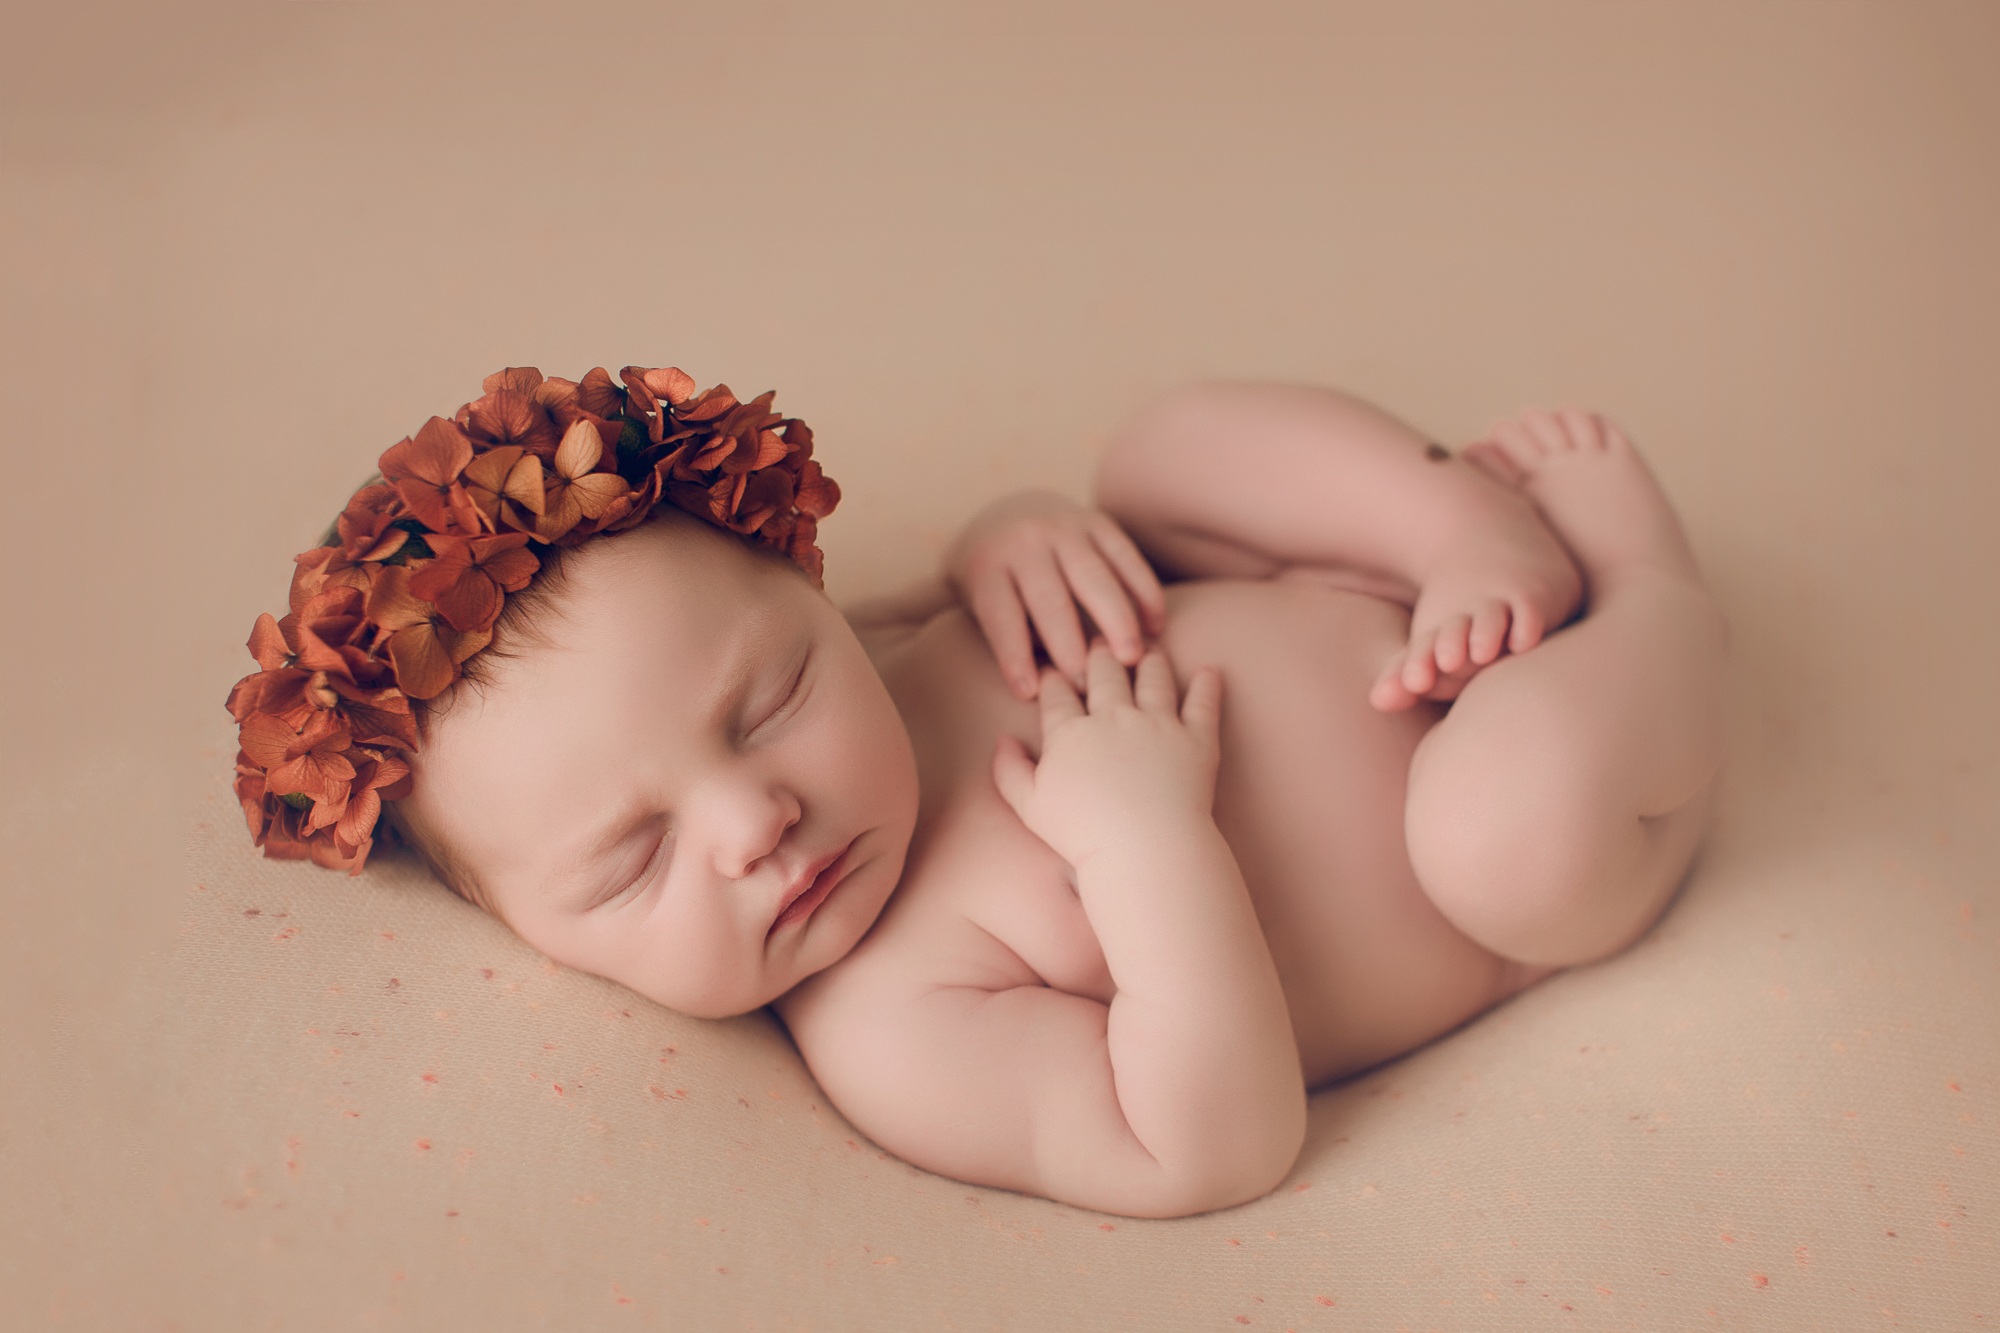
(1133,763)
(1039,554)
(1499,589)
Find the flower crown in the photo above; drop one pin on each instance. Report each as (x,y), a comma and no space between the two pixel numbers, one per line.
(391,608)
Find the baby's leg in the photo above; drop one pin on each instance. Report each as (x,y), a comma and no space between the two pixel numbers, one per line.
(1553,811)
(1272,480)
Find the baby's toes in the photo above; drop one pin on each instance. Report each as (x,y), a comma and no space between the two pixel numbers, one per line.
(1448,686)
(1489,632)
(1450,651)
(1584,428)
(1520,447)
(1495,462)
(1388,694)
(1528,626)
(1419,665)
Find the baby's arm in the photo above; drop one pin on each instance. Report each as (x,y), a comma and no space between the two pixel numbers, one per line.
(1183,1094)
(1247,480)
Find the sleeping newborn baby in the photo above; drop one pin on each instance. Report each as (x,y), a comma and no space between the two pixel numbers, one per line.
(1071,869)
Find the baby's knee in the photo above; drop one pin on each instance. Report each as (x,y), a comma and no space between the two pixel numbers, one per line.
(1543,870)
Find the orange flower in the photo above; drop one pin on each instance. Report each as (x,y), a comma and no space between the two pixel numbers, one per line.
(308,762)
(471,575)
(424,647)
(502,478)
(650,388)
(353,815)
(578,491)
(510,416)
(425,472)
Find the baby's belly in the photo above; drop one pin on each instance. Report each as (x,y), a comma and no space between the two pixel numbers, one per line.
(1310,797)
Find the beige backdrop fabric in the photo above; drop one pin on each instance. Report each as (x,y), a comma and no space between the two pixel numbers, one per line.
(247,248)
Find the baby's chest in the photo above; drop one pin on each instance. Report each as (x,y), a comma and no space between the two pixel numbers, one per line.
(982,901)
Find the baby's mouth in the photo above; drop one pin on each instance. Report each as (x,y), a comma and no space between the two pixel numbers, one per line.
(815,892)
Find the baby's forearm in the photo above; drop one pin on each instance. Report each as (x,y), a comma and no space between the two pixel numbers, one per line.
(1200,1039)
(1239,480)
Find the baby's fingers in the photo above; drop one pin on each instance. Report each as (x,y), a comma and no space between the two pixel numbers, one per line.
(1104,597)
(1048,599)
(1201,711)
(1109,684)
(1155,691)
(1059,701)
(1013,772)
(997,607)
(1134,569)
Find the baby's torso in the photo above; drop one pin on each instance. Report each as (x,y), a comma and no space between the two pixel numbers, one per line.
(1309,795)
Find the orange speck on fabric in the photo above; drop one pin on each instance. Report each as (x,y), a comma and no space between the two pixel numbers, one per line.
(352,1115)
(286,933)
(1604,1291)
(1728,1239)
(1243,1319)
(1758,1279)
(388,934)
(558,1088)
(1324,1300)
(423,1145)
(852,1144)
(1302,1187)
(486,972)
(253,911)
(430,1077)
(1803,1256)
(1106,1226)
(1954,1087)
(1234,1241)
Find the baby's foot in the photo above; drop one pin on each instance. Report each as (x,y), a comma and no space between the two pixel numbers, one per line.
(1594,491)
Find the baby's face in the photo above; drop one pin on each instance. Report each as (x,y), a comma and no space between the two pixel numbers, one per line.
(646,801)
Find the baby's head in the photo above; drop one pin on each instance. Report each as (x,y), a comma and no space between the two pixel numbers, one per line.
(671,733)
(573,645)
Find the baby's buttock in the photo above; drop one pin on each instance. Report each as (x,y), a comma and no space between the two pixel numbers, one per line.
(1310,796)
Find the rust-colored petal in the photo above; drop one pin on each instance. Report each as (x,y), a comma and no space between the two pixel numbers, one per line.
(280,693)
(381,716)
(520,379)
(266,644)
(581,447)
(423,667)
(267,741)
(707,405)
(507,417)
(436,455)
(391,604)
(816,493)
(670,383)
(463,594)
(598,395)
